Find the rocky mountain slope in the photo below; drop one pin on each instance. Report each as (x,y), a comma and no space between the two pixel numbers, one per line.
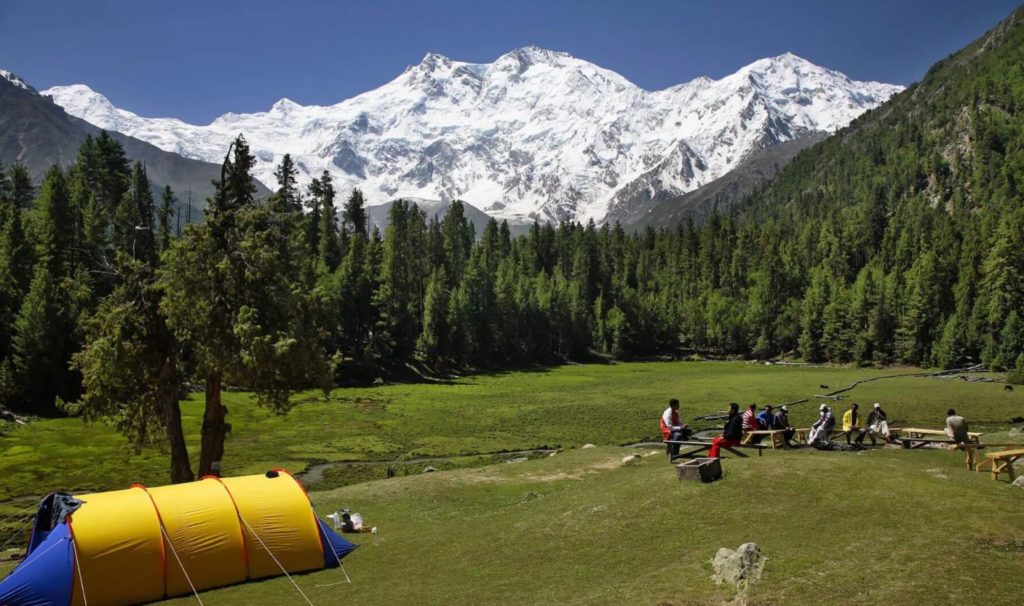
(38,133)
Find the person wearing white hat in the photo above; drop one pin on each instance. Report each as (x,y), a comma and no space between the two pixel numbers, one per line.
(876,425)
(822,428)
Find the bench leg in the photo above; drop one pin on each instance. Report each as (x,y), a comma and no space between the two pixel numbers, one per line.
(1009,469)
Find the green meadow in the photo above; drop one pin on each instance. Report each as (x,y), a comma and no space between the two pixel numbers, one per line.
(580,527)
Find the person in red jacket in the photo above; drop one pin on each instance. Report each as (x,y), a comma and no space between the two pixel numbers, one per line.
(732,433)
(672,428)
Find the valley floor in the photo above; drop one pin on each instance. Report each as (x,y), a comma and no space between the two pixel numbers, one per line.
(579,527)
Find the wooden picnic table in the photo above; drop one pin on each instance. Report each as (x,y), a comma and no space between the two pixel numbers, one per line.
(802,433)
(696,447)
(776,435)
(1002,461)
(917,432)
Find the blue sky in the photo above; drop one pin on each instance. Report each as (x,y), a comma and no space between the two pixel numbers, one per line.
(198,59)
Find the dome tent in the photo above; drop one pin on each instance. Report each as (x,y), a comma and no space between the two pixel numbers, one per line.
(144,544)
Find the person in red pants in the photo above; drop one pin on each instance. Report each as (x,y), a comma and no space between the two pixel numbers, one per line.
(732,433)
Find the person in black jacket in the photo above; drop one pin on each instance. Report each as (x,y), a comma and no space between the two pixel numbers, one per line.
(732,433)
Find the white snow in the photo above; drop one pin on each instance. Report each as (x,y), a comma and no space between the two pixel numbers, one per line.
(535,134)
(15,79)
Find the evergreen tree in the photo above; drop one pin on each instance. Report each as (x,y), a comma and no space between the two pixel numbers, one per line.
(432,346)
(354,213)
(330,243)
(164,219)
(131,367)
(234,297)
(38,347)
(286,199)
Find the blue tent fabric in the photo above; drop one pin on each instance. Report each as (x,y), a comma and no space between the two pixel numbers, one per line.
(335,546)
(45,576)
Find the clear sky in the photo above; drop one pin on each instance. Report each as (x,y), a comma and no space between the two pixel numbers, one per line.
(196,59)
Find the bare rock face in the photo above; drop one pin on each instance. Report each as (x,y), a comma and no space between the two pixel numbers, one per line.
(738,568)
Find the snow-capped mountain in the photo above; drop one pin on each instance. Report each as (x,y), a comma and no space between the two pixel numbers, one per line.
(16,80)
(537,134)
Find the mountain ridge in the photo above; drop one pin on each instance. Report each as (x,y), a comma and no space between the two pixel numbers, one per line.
(535,135)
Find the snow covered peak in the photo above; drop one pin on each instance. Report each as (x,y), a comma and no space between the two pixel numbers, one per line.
(537,134)
(80,100)
(16,80)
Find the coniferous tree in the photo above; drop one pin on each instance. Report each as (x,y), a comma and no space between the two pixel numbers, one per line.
(329,248)
(164,219)
(354,213)
(234,297)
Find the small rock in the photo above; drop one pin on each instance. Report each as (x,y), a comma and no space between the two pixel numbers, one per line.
(554,453)
(740,567)
(588,446)
(631,459)
(518,460)
(429,469)
(1019,482)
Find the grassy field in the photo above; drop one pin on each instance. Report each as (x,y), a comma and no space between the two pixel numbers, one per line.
(563,407)
(578,528)
(885,526)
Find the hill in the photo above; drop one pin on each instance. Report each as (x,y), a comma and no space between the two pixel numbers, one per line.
(899,238)
(38,133)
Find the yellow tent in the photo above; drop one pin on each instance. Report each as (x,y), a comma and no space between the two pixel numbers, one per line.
(139,545)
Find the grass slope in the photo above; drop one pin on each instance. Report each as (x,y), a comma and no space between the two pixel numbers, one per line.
(581,528)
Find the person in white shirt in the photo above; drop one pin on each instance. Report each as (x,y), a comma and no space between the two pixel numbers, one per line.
(671,427)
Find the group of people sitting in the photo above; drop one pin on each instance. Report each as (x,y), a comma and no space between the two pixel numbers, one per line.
(877,425)
(736,424)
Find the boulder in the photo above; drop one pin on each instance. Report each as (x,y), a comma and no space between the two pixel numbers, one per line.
(1019,482)
(588,446)
(631,459)
(429,469)
(740,567)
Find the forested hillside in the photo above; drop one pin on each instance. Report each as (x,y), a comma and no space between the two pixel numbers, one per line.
(900,239)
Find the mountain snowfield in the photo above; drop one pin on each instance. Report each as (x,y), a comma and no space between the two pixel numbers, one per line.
(537,134)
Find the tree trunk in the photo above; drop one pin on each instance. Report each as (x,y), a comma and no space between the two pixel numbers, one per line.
(214,429)
(181,467)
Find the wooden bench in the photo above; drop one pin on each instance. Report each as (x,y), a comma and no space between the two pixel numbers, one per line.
(803,433)
(1002,461)
(917,432)
(696,447)
(778,437)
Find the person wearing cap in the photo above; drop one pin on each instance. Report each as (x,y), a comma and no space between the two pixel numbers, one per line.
(876,424)
(822,428)
(782,422)
(851,423)
(672,429)
(732,433)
